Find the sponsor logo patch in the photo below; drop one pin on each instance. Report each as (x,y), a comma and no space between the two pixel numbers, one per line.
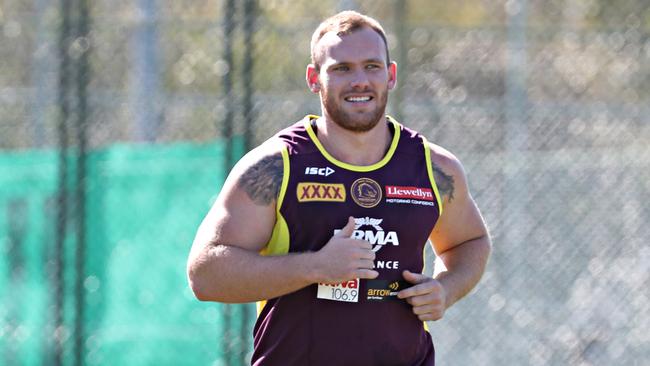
(366,192)
(323,192)
(346,291)
(409,192)
(382,290)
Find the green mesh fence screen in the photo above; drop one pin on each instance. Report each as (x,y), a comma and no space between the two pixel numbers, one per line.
(143,204)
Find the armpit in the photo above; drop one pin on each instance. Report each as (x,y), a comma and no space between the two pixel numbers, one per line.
(262,180)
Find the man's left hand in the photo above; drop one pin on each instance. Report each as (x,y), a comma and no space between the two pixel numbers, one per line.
(427,296)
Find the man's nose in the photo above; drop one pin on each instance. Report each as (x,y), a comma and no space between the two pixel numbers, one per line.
(359,80)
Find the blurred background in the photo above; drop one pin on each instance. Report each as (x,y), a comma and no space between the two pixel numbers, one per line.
(120,119)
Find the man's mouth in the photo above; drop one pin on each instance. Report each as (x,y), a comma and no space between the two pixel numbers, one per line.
(358,99)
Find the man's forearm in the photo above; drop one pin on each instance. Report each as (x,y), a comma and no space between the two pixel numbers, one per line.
(465,265)
(235,275)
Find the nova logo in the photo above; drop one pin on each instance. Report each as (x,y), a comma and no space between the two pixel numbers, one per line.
(349,284)
(323,192)
(377,237)
(318,171)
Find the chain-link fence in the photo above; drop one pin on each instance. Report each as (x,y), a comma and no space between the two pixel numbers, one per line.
(119,119)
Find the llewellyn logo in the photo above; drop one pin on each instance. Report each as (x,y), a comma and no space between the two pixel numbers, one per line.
(323,192)
(409,192)
(366,192)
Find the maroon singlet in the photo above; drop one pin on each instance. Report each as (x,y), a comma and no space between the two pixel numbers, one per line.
(395,204)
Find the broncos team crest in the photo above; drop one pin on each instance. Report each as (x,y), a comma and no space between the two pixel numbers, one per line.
(366,192)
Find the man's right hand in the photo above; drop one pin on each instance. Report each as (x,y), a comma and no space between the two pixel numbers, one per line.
(344,258)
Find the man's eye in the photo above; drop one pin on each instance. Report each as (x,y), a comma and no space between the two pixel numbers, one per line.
(372,66)
(341,68)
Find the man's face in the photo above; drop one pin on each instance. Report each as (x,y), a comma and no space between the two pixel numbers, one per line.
(353,79)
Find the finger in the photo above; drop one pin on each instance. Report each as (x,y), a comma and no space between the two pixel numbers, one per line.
(414,278)
(367,254)
(434,313)
(368,274)
(365,264)
(363,244)
(417,290)
(424,309)
(423,300)
(347,230)
(430,317)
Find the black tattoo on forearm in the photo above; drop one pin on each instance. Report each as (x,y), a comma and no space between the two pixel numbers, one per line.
(262,180)
(445,183)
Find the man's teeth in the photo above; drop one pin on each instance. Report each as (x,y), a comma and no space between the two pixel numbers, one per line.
(357,99)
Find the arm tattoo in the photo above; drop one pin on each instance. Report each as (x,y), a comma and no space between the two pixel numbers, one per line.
(445,183)
(262,180)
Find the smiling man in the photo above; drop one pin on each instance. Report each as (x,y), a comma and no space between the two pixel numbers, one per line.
(325,224)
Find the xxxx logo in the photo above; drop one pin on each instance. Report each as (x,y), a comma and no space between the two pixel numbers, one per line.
(323,192)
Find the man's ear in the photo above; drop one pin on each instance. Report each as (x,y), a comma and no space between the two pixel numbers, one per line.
(392,75)
(312,78)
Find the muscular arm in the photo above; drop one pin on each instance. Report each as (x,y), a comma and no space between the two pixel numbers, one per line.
(224,263)
(460,238)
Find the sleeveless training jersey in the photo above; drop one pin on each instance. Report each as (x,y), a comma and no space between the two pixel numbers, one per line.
(395,203)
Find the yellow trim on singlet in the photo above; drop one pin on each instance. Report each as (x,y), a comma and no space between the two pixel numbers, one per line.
(355,168)
(424,270)
(427,156)
(424,257)
(279,242)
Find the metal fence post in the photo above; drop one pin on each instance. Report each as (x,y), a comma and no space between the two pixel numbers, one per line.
(83,43)
(62,195)
(402,32)
(228,28)
(145,77)
(250,14)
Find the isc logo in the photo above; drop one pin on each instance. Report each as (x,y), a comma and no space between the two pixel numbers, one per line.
(318,171)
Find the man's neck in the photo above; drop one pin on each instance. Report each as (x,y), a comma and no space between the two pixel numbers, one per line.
(355,148)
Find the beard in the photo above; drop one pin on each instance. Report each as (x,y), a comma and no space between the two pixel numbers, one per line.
(355,121)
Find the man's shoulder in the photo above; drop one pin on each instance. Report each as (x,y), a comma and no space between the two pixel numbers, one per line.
(268,152)
(259,173)
(447,170)
(444,158)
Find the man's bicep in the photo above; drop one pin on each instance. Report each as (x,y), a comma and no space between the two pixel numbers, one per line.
(245,210)
(458,224)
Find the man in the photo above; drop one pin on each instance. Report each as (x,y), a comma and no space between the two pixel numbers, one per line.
(325,223)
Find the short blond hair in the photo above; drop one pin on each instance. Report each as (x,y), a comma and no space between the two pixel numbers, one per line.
(344,23)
